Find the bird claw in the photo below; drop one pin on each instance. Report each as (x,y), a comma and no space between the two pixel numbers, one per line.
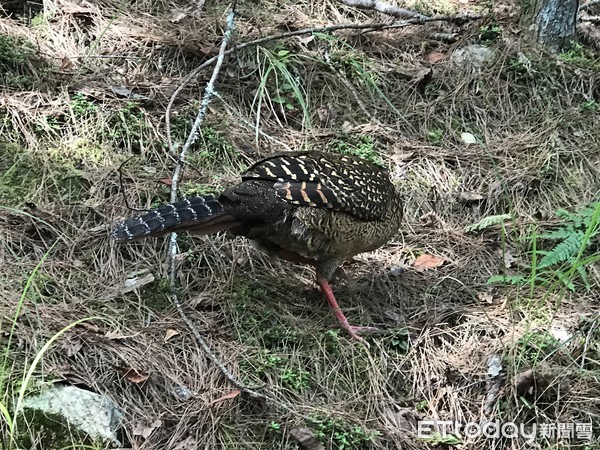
(355,331)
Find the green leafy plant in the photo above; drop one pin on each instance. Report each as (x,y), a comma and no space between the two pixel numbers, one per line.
(565,260)
(356,67)
(363,147)
(125,123)
(296,379)
(535,346)
(488,222)
(573,238)
(580,56)
(439,439)
(435,135)
(341,434)
(81,106)
(278,87)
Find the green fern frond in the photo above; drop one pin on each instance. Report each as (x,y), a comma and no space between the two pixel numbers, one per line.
(562,233)
(510,279)
(488,221)
(564,251)
(566,215)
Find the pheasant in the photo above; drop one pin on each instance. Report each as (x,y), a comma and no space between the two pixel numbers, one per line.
(306,207)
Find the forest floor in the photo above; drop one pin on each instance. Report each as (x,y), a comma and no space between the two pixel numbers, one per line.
(488,298)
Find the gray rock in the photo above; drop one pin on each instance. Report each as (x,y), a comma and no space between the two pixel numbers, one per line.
(85,411)
(473,56)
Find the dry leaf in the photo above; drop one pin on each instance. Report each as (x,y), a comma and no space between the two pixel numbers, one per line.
(423,78)
(132,284)
(404,419)
(469,197)
(232,394)
(509,259)
(177,15)
(485,297)
(145,430)
(132,375)
(88,326)
(166,181)
(402,156)
(117,336)
(66,64)
(306,39)
(170,333)
(72,346)
(428,261)
(434,57)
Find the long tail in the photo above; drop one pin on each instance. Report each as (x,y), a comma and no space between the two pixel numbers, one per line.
(200,215)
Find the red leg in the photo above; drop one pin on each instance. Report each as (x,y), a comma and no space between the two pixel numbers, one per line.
(337,312)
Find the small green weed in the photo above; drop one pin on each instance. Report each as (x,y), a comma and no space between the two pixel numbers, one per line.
(534,347)
(14,52)
(266,365)
(274,426)
(435,135)
(490,33)
(19,67)
(125,124)
(568,258)
(278,86)
(295,379)
(363,147)
(341,434)
(439,439)
(590,105)
(81,106)
(581,56)
(214,152)
(398,341)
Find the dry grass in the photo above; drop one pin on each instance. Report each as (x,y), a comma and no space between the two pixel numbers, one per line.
(539,152)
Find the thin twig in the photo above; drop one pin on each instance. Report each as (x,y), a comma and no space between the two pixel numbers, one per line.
(384,8)
(193,136)
(348,26)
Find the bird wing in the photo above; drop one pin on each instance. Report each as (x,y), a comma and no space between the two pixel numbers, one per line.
(330,181)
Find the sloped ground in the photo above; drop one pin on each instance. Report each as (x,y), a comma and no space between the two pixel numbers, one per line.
(67,126)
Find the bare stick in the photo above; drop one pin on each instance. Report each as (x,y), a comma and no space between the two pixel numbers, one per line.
(384,8)
(349,26)
(193,136)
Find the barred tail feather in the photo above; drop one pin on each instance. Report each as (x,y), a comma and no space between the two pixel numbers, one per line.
(197,214)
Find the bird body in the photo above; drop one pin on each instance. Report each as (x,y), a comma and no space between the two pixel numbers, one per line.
(309,207)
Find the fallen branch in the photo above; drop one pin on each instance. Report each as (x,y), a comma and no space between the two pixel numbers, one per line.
(384,8)
(328,29)
(172,255)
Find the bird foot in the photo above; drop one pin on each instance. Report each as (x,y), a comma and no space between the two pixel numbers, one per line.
(355,332)
(339,315)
